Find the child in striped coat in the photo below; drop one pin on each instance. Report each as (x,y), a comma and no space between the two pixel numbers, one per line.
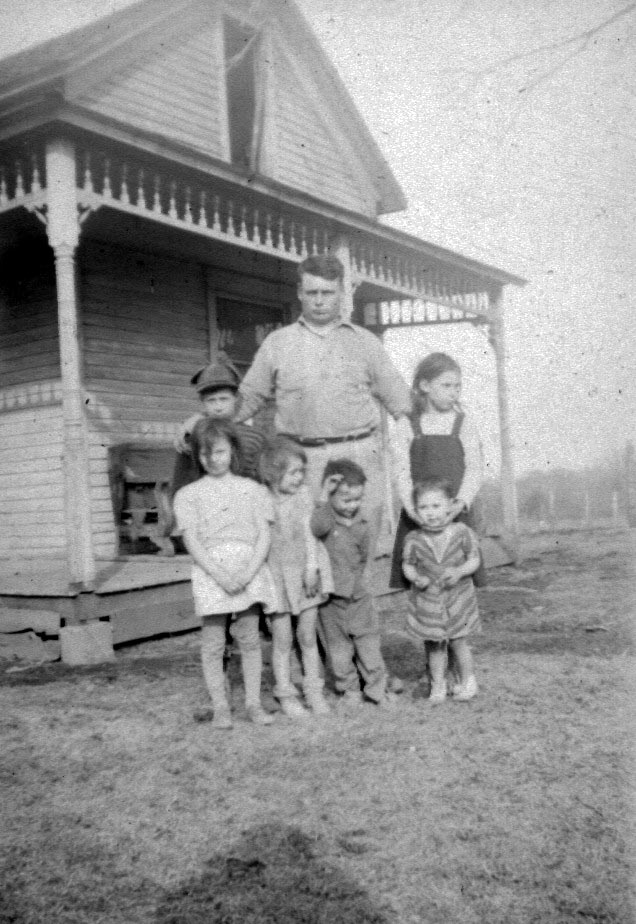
(438,560)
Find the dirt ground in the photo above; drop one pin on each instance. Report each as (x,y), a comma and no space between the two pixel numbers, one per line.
(516,808)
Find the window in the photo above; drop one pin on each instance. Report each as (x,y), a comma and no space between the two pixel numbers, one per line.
(244,92)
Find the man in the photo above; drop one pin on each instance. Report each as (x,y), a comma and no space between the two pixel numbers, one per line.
(327,377)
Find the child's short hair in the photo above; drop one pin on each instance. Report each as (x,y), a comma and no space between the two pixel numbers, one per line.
(350,472)
(205,434)
(432,484)
(275,457)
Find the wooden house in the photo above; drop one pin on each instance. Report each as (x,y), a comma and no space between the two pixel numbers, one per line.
(162,172)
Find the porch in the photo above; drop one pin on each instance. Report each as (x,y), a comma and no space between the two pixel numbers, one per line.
(97,208)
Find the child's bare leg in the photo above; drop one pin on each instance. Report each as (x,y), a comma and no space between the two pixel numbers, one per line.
(312,680)
(464,658)
(245,630)
(212,651)
(282,640)
(437,663)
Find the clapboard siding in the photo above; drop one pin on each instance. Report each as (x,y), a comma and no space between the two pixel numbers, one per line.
(29,345)
(308,156)
(31,483)
(145,332)
(173,91)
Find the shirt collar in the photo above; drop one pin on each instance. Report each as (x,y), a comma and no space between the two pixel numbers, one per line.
(342,322)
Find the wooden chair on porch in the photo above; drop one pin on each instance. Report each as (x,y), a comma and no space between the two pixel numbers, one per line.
(140,476)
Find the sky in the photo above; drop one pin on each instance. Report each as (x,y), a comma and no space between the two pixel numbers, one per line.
(510,125)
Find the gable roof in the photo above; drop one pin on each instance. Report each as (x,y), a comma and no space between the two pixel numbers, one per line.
(43,70)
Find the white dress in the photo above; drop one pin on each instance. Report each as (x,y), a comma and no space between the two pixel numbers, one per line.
(224,515)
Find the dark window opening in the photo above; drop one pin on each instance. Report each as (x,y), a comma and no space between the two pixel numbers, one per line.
(241,65)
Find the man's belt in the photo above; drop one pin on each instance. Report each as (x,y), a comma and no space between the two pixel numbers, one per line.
(328,440)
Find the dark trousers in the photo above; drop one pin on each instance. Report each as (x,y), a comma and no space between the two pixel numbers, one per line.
(350,632)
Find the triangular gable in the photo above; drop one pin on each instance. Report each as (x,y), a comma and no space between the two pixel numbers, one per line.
(157,68)
(312,151)
(173,90)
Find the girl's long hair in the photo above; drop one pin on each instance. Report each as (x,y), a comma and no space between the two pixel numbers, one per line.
(275,457)
(204,435)
(428,369)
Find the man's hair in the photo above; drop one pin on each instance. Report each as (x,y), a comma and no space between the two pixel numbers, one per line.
(275,458)
(205,434)
(432,484)
(352,474)
(324,265)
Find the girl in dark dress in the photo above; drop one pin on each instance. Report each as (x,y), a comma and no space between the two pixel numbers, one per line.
(445,444)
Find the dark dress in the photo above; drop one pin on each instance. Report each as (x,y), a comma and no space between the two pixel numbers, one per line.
(437,455)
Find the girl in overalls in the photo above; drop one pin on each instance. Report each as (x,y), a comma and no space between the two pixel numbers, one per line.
(445,444)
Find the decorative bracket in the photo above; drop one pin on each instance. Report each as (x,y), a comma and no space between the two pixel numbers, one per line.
(39,209)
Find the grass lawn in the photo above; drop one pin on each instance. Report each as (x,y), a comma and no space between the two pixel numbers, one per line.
(516,808)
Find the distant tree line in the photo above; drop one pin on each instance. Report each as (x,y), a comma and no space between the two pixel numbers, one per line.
(605,492)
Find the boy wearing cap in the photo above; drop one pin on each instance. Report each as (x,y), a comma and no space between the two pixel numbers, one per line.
(217,385)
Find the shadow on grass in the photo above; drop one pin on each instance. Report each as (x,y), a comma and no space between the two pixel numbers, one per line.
(276,874)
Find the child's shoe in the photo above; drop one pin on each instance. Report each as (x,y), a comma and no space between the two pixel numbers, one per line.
(258,716)
(437,694)
(222,719)
(292,708)
(317,703)
(395,684)
(466,691)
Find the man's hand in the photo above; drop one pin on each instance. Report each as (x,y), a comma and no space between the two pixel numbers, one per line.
(457,507)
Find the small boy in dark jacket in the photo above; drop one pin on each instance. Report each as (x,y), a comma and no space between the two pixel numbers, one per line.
(217,385)
(348,621)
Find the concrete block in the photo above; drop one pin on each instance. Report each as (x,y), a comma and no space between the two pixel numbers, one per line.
(87,643)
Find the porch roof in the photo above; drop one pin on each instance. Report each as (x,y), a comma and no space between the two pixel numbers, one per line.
(36,79)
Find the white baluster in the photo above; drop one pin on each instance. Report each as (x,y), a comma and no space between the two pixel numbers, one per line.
(269,241)
(314,242)
(141,192)
(156,199)
(304,253)
(19,181)
(243,235)
(3,188)
(187,214)
(36,186)
(172,205)
(124,195)
(256,231)
(231,230)
(203,215)
(216,216)
(281,236)
(88,176)
(107,191)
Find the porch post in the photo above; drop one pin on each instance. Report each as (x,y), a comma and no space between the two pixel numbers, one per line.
(63,233)
(508,486)
(340,249)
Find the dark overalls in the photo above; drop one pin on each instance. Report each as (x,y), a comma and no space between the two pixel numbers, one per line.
(434,455)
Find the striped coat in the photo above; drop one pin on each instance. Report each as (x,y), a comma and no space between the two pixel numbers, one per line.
(439,614)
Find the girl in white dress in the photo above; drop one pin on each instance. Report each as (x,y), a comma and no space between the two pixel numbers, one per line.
(226,524)
(300,566)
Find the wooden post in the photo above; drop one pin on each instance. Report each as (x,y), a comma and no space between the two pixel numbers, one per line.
(340,249)
(508,486)
(63,233)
